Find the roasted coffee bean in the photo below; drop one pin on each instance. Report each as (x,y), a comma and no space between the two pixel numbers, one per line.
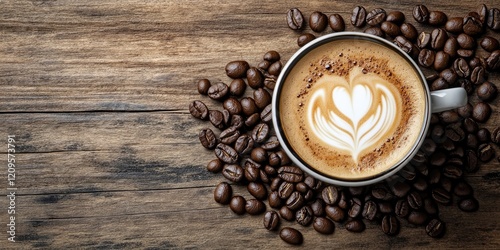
(451,47)
(323,225)
(495,136)
(304,216)
(198,109)
(493,61)
(270,171)
(431,77)
(223,193)
(400,189)
(403,43)
(318,207)
(318,21)
(259,155)
(237,87)
(271,220)
(355,225)
(409,31)
(274,160)
(471,164)
(237,204)
(477,61)
(370,210)
(291,174)
(226,153)
(301,187)
(207,138)
(493,20)
(229,135)
(423,40)
(465,111)
(438,38)
(286,213)
(356,191)
(390,225)
(336,22)
(251,163)
(305,39)
(485,152)
(257,190)
(461,68)
(438,158)
(465,53)
(441,195)
(396,17)
(294,19)
(483,135)
(376,16)
(468,205)
(454,25)
(291,236)
(255,78)
(343,201)
(446,184)
(286,189)
(381,192)
(358,17)
(274,200)
(428,147)
(421,13)
(310,195)
(472,141)
(478,75)
(275,68)
(272,56)
(266,114)
(248,106)
(264,65)
(402,209)
(252,173)
(430,206)
(263,176)
(237,121)
(420,184)
(426,58)
(237,69)
(452,171)
(312,183)
(270,81)
(462,189)
(437,18)
(481,112)
(356,208)
(438,84)
(203,86)
(330,195)
(227,117)
(465,41)
(295,201)
(487,91)
(244,144)
(415,200)
(489,43)
(215,166)
(285,160)
(435,228)
(260,133)
(417,218)
(441,61)
(438,134)
(483,13)
(254,207)
(335,213)
(376,31)
(232,105)
(261,97)
(233,172)
(271,143)
(472,24)
(218,91)
(390,29)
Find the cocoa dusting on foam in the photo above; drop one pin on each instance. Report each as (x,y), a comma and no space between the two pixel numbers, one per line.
(340,63)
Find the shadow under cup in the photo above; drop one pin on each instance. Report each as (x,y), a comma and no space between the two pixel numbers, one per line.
(291,87)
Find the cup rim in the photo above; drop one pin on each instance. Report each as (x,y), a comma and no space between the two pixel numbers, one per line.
(305,166)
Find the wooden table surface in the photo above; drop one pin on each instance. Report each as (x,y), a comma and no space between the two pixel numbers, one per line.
(107,155)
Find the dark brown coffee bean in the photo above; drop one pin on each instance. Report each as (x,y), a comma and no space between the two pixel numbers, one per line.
(358,17)
(207,138)
(493,61)
(285,160)
(259,155)
(423,40)
(472,24)
(449,116)
(396,17)
(260,132)
(237,87)
(266,114)
(287,214)
(415,200)
(255,78)
(252,173)
(264,177)
(493,20)
(226,153)
(356,191)
(294,19)
(426,58)
(478,75)
(472,141)
(305,39)
(291,236)
(438,84)
(376,16)
(237,121)
(462,189)
(430,206)
(468,205)
(435,228)
(318,207)
(489,43)
(487,91)
(417,218)
(481,112)
(441,61)
(421,13)
(343,201)
(471,161)
(385,207)
(409,31)
(275,68)
(270,81)
(271,143)
(356,208)
(203,86)
(237,69)
(452,172)
(323,225)
(270,171)
(440,195)
(318,21)
(233,172)
(438,38)
(274,160)
(304,216)
(461,67)
(376,31)
(257,190)
(476,62)
(248,106)
(264,65)
(336,22)
(286,189)
(301,187)
(437,18)
(218,91)
(244,144)
(451,46)
(483,135)
(465,111)
(465,41)
(272,56)
(390,29)
(237,205)
(261,97)
(295,201)
(370,210)
(428,147)
(255,207)
(227,117)
(335,213)
(403,43)
(215,166)
(390,225)
(274,200)
(313,183)
(291,174)
(223,193)
(229,135)
(485,152)
(355,225)
(198,109)
(455,132)
(465,53)
(495,136)
(271,220)
(455,25)
(310,195)
(330,195)
(381,192)
(402,209)
(466,84)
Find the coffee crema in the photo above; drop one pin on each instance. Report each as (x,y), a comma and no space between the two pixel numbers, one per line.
(352,108)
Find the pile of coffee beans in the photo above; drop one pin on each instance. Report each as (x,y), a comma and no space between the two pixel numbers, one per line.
(248,153)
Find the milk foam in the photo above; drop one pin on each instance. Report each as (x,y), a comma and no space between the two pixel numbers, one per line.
(354,114)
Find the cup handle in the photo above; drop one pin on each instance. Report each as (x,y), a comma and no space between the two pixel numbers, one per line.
(447,99)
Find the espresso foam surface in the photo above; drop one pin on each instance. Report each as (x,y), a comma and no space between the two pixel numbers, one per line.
(352,109)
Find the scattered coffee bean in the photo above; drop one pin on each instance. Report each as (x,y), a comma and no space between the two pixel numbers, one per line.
(370,210)
(237,69)
(468,205)
(318,207)
(286,213)
(438,38)
(493,61)
(305,38)
(304,216)
(478,75)
(355,225)
(261,97)
(390,225)
(489,43)
(323,225)
(295,201)
(335,213)
(318,21)
(483,135)
(218,91)
(487,91)
(455,25)
(275,68)
(435,228)
(375,31)
(430,206)
(271,220)
(396,17)
(336,22)
(390,29)
(237,205)
(441,61)
(402,209)
(291,174)
(257,190)
(274,200)
(472,24)
(272,56)
(198,109)
(481,112)
(291,236)
(417,218)
(495,136)
(215,166)
(254,207)
(223,193)
(203,86)
(440,195)
(426,58)
(421,13)
(485,152)
(404,44)
(356,208)
(260,132)
(259,155)
(437,18)
(255,78)
(358,17)
(409,31)
(376,16)
(237,87)
(423,40)
(294,19)
(493,20)
(330,195)
(233,172)
(207,138)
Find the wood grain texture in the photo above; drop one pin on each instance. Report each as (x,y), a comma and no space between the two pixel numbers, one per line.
(97,92)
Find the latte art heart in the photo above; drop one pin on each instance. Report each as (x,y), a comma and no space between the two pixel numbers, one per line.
(353,115)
